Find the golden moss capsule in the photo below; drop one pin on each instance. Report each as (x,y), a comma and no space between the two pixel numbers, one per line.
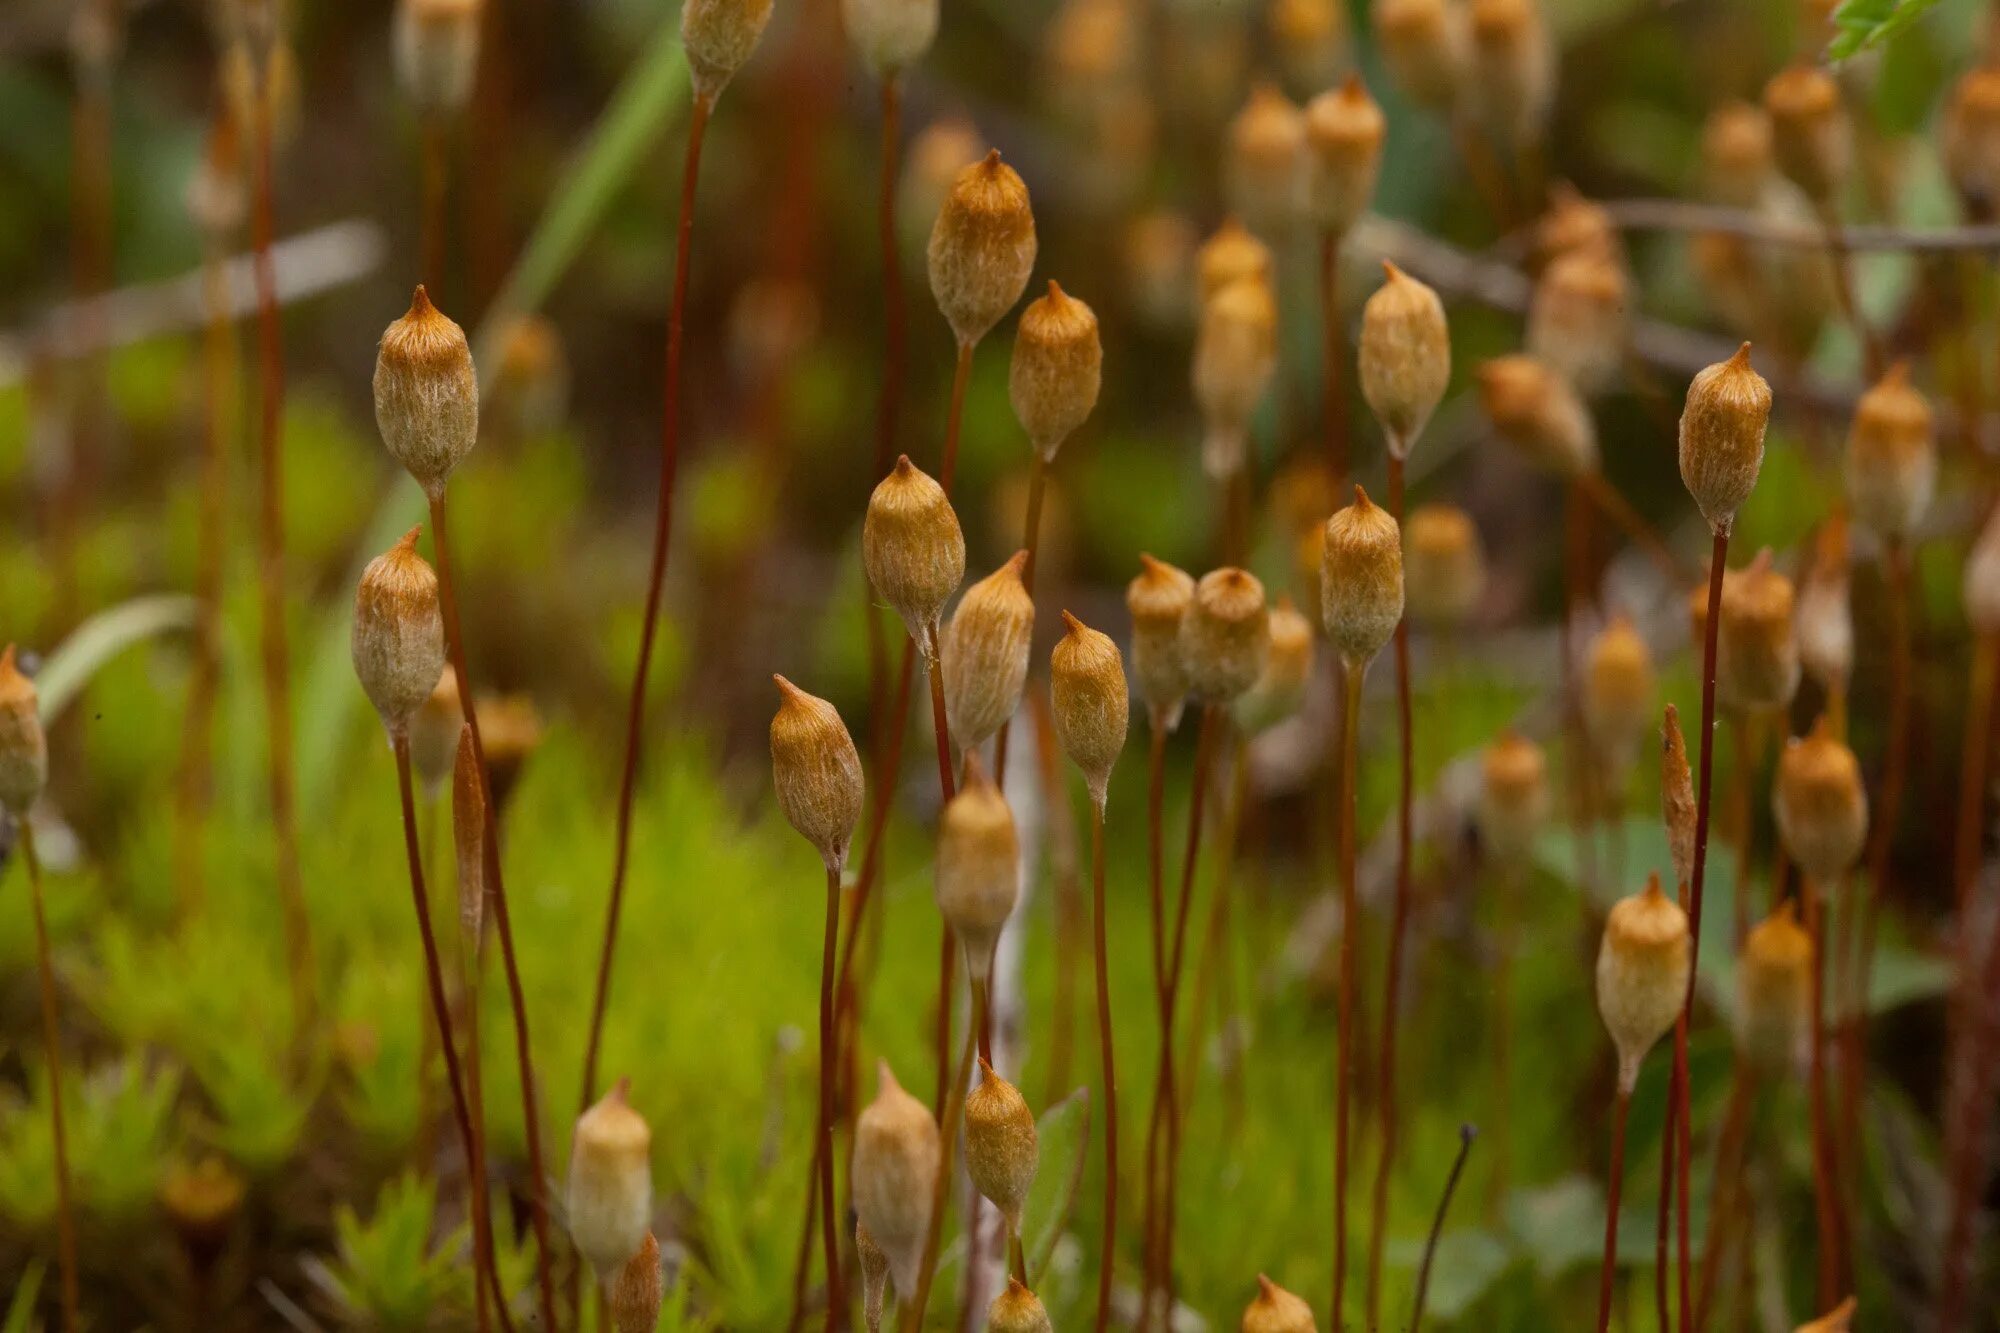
(1810,135)
(1444,565)
(24,747)
(1573,225)
(638,1291)
(437,52)
(1264,164)
(1513,796)
(1158,600)
(1002,1149)
(1824,620)
(610,1191)
(890,34)
(1892,456)
(1404,356)
(1774,991)
(1577,317)
(531,385)
(1538,412)
(1344,129)
(1276,1310)
(816,772)
(1737,158)
(398,637)
(1225,635)
(1231,254)
(1235,358)
(1017,1310)
(1159,260)
(1511,82)
(1722,437)
(985,647)
(719,37)
(1426,45)
(1677,808)
(1971,140)
(218,197)
(874,1275)
(426,394)
(1281,690)
(1057,369)
(1757,655)
(1089,703)
(1642,975)
(913,548)
(1310,39)
(1821,805)
(982,247)
(1618,693)
(978,866)
(1361,580)
(1840,1319)
(895,1165)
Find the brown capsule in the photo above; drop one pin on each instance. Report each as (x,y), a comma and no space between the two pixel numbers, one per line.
(912,548)
(1232,253)
(1310,39)
(1577,317)
(1756,655)
(1002,1149)
(1344,133)
(1361,580)
(1235,358)
(1810,135)
(1892,456)
(1982,579)
(24,748)
(639,1290)
(982,247)
(1427,45)
(1404,356)
(437,52)
(1276,1311)
(1513,796)
(1159,260)
(1736,155)
(1281,690)
(1677,808)
(1840,1319)
(1511,81)
(610,1191)
(1574,225)
(217,195)
(874,1275)
(468,839)
(1821,805)
(719,37)
(270,93)
(426,394)
(978,867)
(1264,163)
(1538,412)
(1017,1310)
(1089,703)
(895,1165)
(985,648)
(932,160)
(1158,600)
(202,1200)
(510,730)
(1722,437)
(1971,140)
(1057,369)
(1642,975)
(530,391)
(890,34)
(816,772)
(1618,693)
(1774,991)
(398,637)
(1825,618)
(1225,635)
(1444,565)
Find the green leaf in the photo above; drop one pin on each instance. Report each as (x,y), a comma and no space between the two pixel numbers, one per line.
(1064,1132)
(101,638)
(21,1314)
(1864,24)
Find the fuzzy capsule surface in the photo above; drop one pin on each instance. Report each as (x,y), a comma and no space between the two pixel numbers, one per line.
(1677,808)
(1404,355)
(1017,1310)
(24,747)
(1573,225)
(1810,135)
(816,772)
(1361,579)
(874,1275)
(426,394)
(1892,456)
(397,641)
(1824,619)
(1235,358)
(1444,565)
(1225,636)
(1264,172)
(1820,805)
(1276,1310)
(639,1290)
(985,649)
(1512,74)
(1344,133)
(610,1189)
(1002,1149)
(1089,702)
(719,37)
(978,866)
(1642,974)
(1281,690)
(1577,318)
(436,45)
(1722,437)
(1158,598)
(982,247)
(1513,796)
(1774,991)
(896,1157)
(912,547)
(1737,158)
(890,34)
(1057,369)
(1757,653)
(1618,692)
(1538,412)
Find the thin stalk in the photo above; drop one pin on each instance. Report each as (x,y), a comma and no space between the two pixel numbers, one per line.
(52,1043)
(1030,540)
(836,1303)
(911,1315)
(475,1162)
(1613,1188)
(663,517)
(1743,736)
(1350,914)
(1156,789)
(1385,1076)
(271,582)
(475,1094)
(1718,561)
(961,374)
(1466,1134)
(1958,1239)
(947,939)
(1333,356)
(1661,1262)
(1826,1205)
(1730,1144)
(1063,871)
(496,890)
(1212,968)
(1102,955)
(1501,1013)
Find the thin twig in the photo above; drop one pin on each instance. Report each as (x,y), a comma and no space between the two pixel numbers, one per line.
(52,1043)
(1613,1187)
(836,1303)
(1110,1071)
(1466,1134)
(1350,920)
